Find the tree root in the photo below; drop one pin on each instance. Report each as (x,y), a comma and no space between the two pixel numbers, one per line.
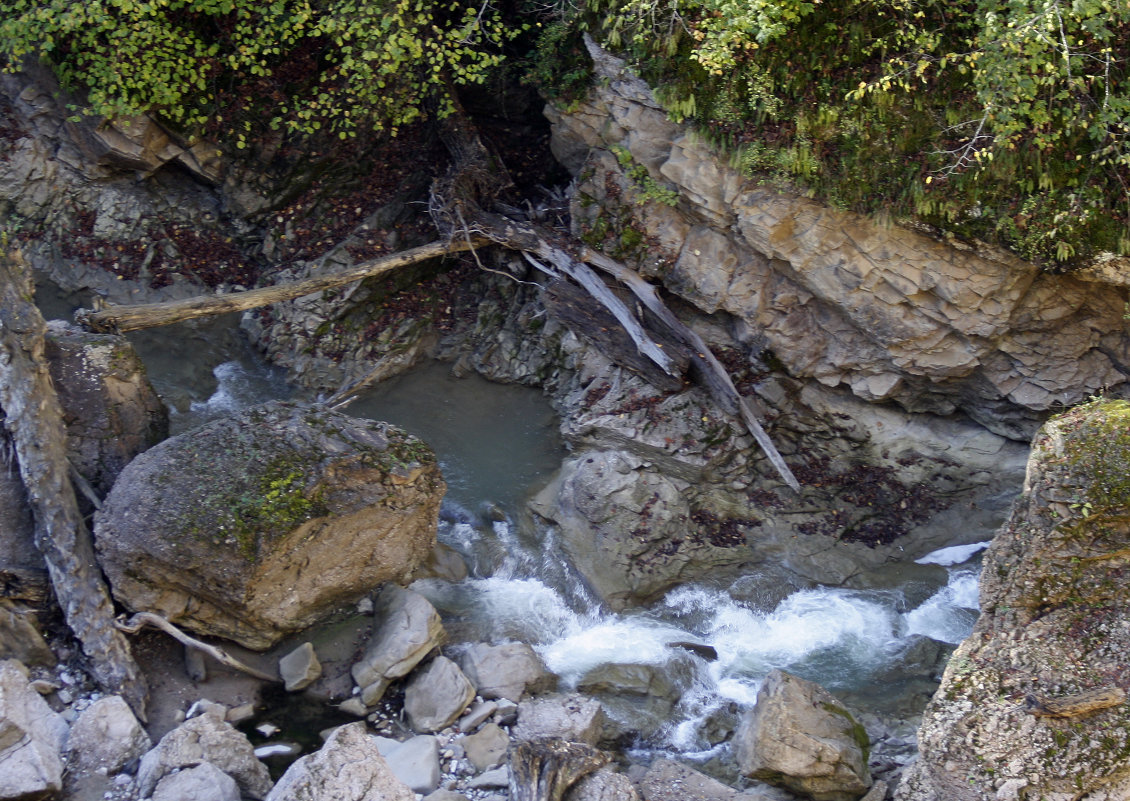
(143,619)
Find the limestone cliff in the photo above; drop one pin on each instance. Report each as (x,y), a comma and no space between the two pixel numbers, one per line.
(1032,704)
(894,314)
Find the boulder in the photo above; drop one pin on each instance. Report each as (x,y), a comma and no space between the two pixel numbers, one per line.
(300,668)
(572,717)
(106,737)
(668,780)
(486,748)
(1032,703)
(414,761)
(32,738)
(477,715)
(406,628)
(506,671)
(204,782)
(348,767)
(205,738)
(437,695)
(604,785)
(800,737)
(257,526)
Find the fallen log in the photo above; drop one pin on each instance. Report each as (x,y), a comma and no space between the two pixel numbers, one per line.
(35,421)
(117,319)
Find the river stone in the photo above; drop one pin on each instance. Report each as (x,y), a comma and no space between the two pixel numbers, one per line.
(604,785)
(572,717)
(668,780)
(348,767)
(257,526)
(487,747)
(406,629)
(414,761)
(800,737)
(203,782)
(506,671)
(300,668)
(437,695)
(205,738)
(32,738)
(106,737)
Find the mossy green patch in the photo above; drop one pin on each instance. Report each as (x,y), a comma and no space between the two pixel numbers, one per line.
(1096,450)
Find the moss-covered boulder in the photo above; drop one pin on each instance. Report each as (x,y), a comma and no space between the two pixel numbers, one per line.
(257,526)
(1033,703)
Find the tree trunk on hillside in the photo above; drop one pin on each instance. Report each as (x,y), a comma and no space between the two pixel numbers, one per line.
(35,421)
(118,319)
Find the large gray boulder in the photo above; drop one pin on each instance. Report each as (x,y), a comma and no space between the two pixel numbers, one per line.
(437,695)
(571,717)
(206,738)
(257,526)
(414,761)
(603,785)
(32,738)
(106,737)
(349,767)
(668,780)
(510,671)
(800,737)
(406,627)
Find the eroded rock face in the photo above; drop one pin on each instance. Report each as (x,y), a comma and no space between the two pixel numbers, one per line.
(257,526)
(110,409)
(887,311)
(1032,703)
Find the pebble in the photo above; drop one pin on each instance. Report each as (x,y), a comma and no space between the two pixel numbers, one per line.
(268,729)
(66,696)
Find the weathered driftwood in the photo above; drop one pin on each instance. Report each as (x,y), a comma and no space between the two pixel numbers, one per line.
(35,421)
(543,769)
(151,315)
(1075,705)
(143,619)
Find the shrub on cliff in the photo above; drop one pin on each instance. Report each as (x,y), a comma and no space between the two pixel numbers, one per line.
(1002,119)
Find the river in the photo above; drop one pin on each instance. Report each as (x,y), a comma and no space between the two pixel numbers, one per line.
(497,445)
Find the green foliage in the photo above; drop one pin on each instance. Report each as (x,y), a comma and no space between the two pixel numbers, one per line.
(301,65)
(1000,119)
(647,188)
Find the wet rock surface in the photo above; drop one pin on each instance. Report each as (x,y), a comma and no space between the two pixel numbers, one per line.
(237,529)
(800,737)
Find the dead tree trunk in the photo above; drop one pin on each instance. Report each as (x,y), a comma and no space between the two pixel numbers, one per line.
(35,421)
(542,770)
(151,315)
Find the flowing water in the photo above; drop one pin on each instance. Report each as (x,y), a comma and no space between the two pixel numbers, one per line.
(497,444)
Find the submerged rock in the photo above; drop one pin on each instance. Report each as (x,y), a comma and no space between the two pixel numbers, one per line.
(800,737)
(257,526)
(1033,704)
